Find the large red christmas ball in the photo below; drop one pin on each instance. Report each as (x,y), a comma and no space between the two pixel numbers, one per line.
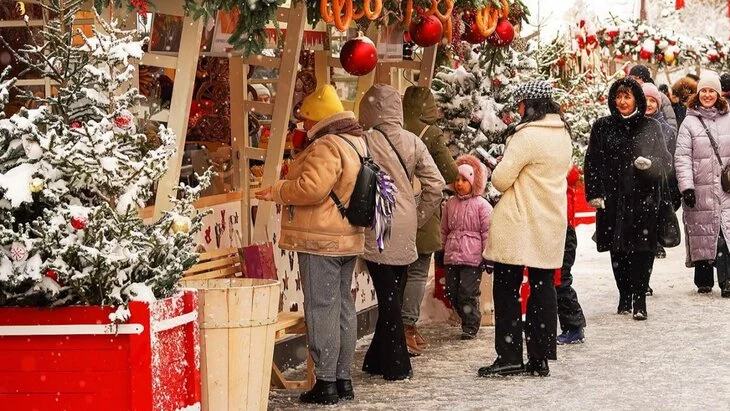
(427,31)
(503,34)
(645,54)
(471,31)
(359,56)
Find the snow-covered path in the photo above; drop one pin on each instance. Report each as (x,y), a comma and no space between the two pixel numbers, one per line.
(677,360)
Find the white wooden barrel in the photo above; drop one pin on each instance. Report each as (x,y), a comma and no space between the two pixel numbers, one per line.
(237,324)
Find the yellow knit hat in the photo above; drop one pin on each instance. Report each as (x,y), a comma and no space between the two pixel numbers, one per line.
(321,104)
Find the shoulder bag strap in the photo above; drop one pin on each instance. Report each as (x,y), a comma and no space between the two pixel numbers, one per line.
(333,196)
(712,142)
(424,131)
(402,163)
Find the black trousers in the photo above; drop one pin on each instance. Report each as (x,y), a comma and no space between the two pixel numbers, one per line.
(542,309)
(388,353)
(462,289)
(704,276)
(632,271)
(570,313)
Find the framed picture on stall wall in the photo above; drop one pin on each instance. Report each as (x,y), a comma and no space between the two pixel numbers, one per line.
(166,33)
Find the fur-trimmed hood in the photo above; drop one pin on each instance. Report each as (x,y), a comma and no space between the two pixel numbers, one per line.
(481,173)
(638,96)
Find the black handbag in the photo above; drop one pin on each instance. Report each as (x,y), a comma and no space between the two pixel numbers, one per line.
(669,233)
(725,175)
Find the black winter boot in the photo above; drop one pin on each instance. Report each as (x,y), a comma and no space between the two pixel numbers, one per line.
(537,368)
(345,390)
(500,369)
(624,305)
(323,392)
(640,308)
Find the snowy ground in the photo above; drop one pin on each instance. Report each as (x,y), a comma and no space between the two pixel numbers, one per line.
(677,360)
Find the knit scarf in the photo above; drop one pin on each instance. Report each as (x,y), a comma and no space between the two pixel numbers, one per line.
(344,126)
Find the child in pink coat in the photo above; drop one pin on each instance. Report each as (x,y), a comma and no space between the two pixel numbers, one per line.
(464,234)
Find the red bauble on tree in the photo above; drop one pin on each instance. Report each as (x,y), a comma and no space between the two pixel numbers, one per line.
(52,274)
(427,31)
(359,56)
(645,54)
(503,34)
(472,34)
(79,223)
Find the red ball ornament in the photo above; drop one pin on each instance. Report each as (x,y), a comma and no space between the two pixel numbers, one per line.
(79,223)
(496,82)
(645,54)
(75,124)
(359,56)
(427,31)
(619,55)
(503,34)
(471,31)
(52,274)
(613,33)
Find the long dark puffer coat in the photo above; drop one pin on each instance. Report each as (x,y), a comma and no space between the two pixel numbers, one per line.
(629,221)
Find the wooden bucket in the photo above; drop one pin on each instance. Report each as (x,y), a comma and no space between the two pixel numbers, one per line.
(237,323)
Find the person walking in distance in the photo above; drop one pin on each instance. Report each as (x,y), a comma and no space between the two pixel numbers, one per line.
(624,166)
(703,150)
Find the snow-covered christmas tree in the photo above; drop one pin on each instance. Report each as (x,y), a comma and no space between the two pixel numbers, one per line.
(75,170)
(476,97)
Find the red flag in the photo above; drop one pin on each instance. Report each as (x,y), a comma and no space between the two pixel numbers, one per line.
(679,4)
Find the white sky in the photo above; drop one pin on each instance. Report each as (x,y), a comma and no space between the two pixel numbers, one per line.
(552,13)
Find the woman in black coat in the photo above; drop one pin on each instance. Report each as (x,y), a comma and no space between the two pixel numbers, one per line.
(624,166)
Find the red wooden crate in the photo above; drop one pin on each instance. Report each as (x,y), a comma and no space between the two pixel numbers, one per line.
(72,358)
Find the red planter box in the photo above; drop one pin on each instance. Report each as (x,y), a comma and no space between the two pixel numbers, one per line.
(72,358)
(584,214)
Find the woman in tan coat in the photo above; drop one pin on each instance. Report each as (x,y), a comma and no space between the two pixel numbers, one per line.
(326,243)
(404,156)
(528,229)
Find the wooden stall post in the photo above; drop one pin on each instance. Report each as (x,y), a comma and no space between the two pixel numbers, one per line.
(185,65)
(280,119)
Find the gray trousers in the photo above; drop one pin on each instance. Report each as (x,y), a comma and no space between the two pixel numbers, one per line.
(413,288)
(329,311)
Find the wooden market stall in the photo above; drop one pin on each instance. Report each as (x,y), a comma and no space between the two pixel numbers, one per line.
(233,112)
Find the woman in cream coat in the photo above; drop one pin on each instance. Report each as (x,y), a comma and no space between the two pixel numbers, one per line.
(528,229)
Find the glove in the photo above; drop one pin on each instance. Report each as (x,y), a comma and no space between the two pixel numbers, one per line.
(689,198)
(597,203)
(642,163)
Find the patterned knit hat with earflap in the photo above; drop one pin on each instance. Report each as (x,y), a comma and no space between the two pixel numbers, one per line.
(534,90)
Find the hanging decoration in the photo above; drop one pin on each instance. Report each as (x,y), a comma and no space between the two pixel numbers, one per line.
(359,56)
(427,31)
